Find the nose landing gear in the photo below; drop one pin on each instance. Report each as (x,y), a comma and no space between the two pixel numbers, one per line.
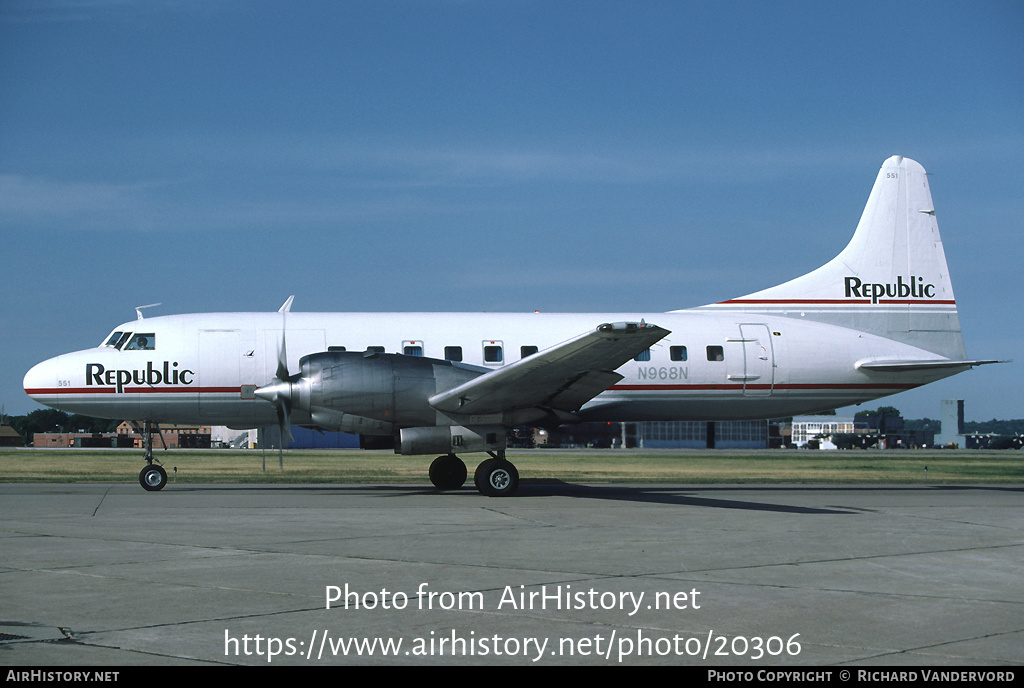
(152,477)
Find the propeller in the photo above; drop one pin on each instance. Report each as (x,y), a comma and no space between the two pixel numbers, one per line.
(279,391)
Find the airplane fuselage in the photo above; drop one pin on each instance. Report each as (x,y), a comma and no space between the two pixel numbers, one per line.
(205,368)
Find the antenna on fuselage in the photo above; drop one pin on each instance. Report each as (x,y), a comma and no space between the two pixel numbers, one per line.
(138,309)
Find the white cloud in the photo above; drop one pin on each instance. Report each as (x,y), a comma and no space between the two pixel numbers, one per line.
(22,196)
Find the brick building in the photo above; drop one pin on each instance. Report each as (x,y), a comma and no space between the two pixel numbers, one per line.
(174,437)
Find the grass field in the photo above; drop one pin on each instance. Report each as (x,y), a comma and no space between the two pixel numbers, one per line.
(582,466)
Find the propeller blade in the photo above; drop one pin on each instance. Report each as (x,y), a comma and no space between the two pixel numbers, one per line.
(279,391)
(284,423)
(282,353)
(283,418)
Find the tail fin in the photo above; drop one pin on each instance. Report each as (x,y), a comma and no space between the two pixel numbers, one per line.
(890,280)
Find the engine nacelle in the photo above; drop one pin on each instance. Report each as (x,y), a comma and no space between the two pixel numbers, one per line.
(451,439)
(373,393)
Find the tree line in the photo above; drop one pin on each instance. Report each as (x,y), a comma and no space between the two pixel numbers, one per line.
(52,420)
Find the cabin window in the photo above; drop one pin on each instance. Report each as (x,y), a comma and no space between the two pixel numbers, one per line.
(644,355)
(493,352)
(141,342)
(375,349)
(453,353)
(716,353)
(677,353)
(336,348)
(412,348)
(525,351)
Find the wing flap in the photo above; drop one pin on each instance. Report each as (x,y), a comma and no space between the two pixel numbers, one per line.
(563,377)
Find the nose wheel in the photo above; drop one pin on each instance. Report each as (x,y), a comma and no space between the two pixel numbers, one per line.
(153,478)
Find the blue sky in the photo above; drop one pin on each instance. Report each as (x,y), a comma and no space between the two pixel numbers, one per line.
(492,156)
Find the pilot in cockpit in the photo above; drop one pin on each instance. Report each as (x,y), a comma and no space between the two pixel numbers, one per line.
(141,342)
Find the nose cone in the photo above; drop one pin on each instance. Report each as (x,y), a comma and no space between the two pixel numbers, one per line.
(275,391)
(41,383)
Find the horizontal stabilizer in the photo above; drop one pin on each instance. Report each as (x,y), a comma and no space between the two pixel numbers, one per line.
(898,366)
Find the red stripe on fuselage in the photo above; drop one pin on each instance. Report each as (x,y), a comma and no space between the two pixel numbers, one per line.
(834,302)
(739,386)
(132,390)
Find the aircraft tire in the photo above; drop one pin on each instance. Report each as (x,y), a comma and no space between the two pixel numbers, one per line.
(496,478)
(448,472)
(153,478)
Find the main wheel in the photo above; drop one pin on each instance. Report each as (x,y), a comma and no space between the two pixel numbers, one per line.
(448,472)
(496,478)
(153,478)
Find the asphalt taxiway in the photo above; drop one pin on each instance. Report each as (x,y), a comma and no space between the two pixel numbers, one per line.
(744,576)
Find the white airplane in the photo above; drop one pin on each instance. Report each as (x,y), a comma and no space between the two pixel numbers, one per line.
(878,319)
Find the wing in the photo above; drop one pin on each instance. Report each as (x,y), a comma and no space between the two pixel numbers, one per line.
(561,378)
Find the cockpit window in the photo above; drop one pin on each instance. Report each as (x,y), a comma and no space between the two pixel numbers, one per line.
(127,341)
(141,342)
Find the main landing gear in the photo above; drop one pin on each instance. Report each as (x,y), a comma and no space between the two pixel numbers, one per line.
(494,477)
(153,477)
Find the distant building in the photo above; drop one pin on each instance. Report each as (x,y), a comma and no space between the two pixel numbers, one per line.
(9,437)
(660,435)
(818,431)
(66,440)
(739,434)
(223,437)
(302,438)
(952,432)
(875,430)
(174,437)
